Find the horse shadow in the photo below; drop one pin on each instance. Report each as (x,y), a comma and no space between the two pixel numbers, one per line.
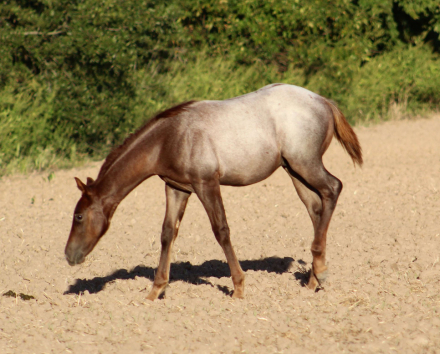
(194,274)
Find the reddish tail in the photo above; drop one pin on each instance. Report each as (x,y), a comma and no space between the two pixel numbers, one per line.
(345,134)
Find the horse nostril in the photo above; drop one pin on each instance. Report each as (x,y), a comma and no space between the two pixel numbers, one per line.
(79,258)
(70,262)
(68,255)
(74,257)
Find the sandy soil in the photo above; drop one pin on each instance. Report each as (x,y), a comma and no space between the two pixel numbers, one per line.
(382,295)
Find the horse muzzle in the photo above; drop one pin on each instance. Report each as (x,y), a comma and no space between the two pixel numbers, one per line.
(74,257)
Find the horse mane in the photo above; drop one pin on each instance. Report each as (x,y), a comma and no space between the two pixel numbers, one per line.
(116,152)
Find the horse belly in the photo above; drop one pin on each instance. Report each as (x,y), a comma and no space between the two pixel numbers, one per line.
(248,164)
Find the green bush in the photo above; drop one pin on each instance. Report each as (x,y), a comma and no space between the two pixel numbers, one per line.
(77,76)
(408,76)
(213,78)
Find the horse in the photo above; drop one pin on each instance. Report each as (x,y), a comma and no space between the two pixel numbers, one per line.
(197,146)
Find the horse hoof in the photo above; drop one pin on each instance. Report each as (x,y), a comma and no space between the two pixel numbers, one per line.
(321,277)
(151,298)
(316,280)
(153,295)
(313,282)
(238,295)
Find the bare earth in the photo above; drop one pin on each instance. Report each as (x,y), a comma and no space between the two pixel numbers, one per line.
(382,295)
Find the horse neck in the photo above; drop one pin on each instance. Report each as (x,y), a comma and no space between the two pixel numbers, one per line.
(127,172)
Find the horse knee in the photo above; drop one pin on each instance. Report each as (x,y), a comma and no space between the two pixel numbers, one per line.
(222,235)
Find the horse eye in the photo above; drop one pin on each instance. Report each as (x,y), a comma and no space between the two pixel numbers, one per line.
(78,217)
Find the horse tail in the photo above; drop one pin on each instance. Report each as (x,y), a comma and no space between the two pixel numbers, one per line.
(345,134)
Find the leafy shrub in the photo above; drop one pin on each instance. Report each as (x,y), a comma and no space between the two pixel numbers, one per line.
(408,76)
(77,76)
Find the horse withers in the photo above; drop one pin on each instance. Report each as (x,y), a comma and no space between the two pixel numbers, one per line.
(197,146)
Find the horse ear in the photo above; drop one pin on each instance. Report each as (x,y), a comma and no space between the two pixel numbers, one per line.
(81,186)
(89,181)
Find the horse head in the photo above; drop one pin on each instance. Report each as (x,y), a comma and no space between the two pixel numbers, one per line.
(90,223)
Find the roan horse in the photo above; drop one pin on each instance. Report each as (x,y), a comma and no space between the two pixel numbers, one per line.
(197,146)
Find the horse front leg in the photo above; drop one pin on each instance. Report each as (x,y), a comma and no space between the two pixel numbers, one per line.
(210,196)
(176,204)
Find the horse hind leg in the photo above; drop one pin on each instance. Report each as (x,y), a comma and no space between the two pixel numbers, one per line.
(176,204)
(319,191)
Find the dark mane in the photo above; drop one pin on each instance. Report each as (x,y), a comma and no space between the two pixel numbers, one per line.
(173,111)
(116,152)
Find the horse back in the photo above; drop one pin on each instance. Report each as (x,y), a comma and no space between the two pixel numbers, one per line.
(242,140)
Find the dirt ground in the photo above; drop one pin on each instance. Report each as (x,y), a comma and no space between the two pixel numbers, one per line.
(382,294)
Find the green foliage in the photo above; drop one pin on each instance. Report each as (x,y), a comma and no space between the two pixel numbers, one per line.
(77,76)
(206,77)
(408,76)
